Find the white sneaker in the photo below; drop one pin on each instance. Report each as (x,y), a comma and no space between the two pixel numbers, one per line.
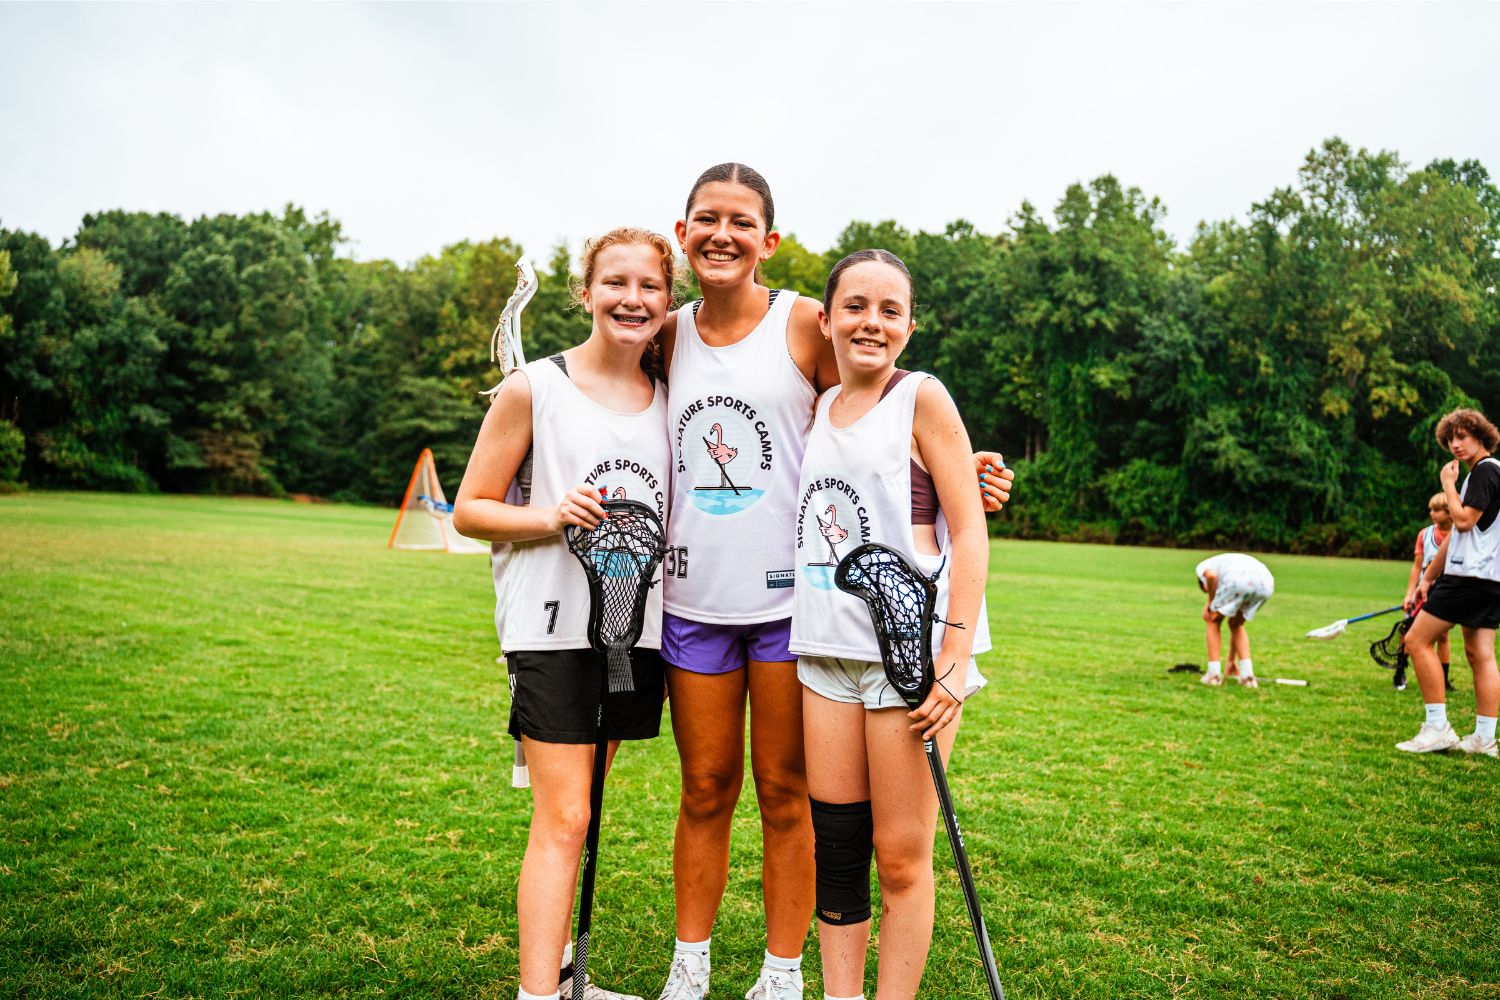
(774,984)
(1249,682)
(1430,739)
(687,980)
(1474,744)
(591,991)
(1212,680)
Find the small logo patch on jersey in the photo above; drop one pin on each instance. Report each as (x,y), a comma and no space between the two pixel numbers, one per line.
(779,579)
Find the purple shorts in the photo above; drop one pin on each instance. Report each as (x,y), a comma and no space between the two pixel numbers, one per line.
(705,648)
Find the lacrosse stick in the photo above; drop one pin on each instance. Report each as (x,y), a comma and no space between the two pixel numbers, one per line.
(619,557)
(505,347)
(1337,628)
(900,601)
(505,341)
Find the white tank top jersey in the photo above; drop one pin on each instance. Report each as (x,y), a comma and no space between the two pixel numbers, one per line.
(542,595)
(1476,553)
(738,419)
(856,488)
(1430,545)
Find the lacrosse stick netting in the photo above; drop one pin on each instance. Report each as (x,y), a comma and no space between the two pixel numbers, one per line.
(1391,651)
(620,558)
(900,599)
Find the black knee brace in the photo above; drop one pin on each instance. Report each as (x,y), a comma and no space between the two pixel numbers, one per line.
(844,842)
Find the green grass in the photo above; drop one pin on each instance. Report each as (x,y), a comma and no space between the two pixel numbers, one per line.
(246,750)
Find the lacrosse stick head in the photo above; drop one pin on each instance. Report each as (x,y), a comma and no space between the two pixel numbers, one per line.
(1390,651)
(619,558)
(505,341)
(900,600)
(1329,631)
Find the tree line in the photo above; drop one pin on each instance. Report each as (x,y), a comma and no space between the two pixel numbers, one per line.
(1271,385)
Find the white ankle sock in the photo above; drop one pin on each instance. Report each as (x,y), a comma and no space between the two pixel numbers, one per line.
(779,964)
(830,996)
(1246,669)
(1484,727)
(1437,715)
(523,995)
(1215,667)
(697,949)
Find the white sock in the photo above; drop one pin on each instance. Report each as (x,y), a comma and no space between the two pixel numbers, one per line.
(776,963)
(523,995)
(1437,715)
(830,996)
(567,955)
(1246,670)
(1215,667)
(1484,727)
(697,949)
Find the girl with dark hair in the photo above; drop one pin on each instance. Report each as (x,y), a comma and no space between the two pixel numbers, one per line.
(553,426)
(745,365)
(1466,591)
(889,457)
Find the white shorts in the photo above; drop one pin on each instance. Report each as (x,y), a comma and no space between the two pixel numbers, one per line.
(1241,598)
(861,682)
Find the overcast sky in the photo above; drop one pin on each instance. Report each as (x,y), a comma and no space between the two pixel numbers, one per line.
(419,126)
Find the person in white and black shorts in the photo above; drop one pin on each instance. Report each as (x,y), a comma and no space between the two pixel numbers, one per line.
(568,431)
(1462,587)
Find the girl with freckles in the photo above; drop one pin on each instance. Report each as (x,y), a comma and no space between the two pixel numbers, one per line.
(866,768)
(553,426)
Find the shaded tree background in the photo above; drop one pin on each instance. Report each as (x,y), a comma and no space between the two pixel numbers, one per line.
(1271,385)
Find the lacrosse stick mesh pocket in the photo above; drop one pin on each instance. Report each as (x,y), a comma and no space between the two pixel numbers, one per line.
(900,600)
(1390,651)
(619,557)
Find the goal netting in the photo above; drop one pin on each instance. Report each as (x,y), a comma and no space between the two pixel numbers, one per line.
(425,520)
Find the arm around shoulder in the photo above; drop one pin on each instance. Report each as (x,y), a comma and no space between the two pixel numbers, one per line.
(810,350)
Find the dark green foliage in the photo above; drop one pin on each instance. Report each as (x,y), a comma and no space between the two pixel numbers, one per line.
(1274,384)
(12,452)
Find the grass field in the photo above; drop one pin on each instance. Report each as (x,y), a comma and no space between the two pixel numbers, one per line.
(245,750)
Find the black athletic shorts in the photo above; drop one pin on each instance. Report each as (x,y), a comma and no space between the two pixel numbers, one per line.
(554,696)
(1465,600)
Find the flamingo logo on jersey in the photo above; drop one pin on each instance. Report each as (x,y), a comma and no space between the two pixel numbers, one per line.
(621,476)
(833,533)
(836,514)
(724,450)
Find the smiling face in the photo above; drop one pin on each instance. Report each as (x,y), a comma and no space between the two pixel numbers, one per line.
(628,295)
(724,235)
(869,318)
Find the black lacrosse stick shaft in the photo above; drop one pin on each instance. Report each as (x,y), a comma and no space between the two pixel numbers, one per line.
(965,874)
(590,859)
